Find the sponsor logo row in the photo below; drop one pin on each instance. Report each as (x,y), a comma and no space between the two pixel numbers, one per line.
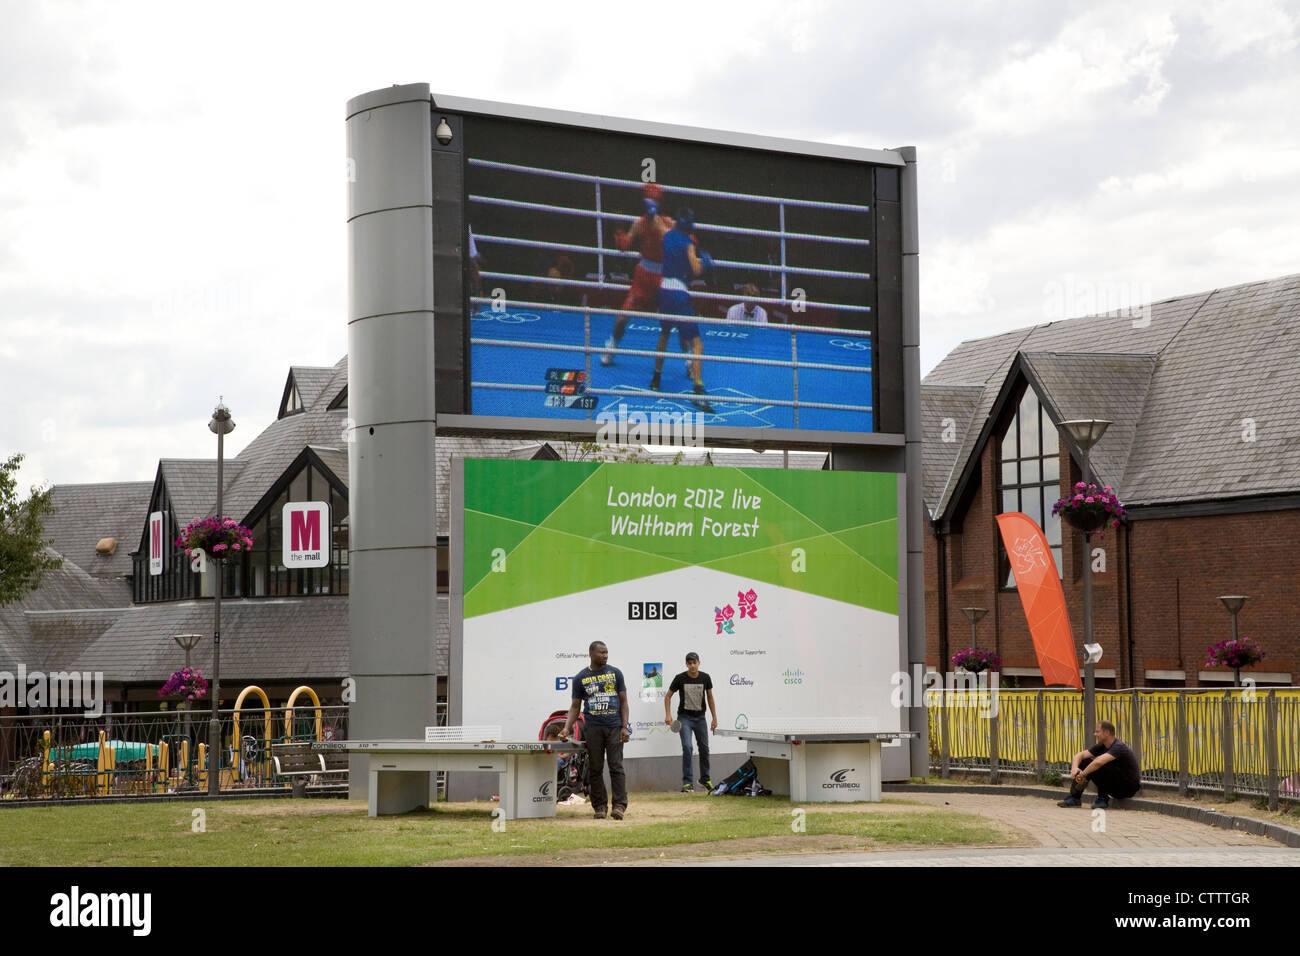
(789,677)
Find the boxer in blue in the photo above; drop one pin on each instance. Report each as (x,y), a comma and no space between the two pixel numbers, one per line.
(682,262)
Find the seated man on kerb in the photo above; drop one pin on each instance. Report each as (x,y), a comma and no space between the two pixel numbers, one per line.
(1109,764)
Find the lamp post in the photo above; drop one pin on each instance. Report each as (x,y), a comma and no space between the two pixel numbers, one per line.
(1086,432)
(1233,603)
(187,642)
(973,614)
(221,425)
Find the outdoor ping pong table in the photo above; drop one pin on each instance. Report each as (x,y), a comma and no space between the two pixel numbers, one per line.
(401,771)
(820,766)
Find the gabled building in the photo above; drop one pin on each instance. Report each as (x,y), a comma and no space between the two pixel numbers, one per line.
(104,612)
(1203,450)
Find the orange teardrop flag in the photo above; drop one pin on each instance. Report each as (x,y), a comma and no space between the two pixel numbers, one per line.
(1042,598)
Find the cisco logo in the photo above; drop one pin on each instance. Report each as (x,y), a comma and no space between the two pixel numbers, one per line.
(793,676)
(838,781)
(652,610)
(738,681)
(544,793)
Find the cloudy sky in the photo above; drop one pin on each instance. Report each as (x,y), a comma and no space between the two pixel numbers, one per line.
(172,176)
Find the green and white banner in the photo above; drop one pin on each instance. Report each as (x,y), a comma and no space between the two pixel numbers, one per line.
(784,582)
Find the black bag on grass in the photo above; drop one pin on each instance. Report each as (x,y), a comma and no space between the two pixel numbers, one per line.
(742,783)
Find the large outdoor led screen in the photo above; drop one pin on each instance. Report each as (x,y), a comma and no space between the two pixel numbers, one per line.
(613,274)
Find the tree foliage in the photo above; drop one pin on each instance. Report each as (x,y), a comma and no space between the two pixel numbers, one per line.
(23,556)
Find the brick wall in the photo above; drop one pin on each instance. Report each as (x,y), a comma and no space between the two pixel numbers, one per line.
(1179,568)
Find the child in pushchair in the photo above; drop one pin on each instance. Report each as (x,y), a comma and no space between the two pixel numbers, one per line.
(571,769)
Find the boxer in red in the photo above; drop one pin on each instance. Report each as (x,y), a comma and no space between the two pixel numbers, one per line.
(647,238)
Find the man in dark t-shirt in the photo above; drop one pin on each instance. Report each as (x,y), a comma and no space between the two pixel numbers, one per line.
(600,689)
(1110,764)
(695,688)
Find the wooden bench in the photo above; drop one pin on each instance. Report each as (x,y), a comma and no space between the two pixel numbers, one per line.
(303,760)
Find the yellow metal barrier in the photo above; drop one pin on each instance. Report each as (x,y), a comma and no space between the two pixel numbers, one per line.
(1161,719)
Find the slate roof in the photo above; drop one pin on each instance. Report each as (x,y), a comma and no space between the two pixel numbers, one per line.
(85,513)
(1178,380)
(191,485)
(948,412)
(1105,386)
(311,382)
(15,638)
(261,638)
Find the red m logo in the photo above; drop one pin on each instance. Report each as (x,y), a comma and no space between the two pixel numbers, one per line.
(155,538)
(304,530)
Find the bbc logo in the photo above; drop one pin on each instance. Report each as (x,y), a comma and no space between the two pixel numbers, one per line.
(652,610)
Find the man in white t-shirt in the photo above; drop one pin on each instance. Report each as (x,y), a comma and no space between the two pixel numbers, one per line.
(748,311)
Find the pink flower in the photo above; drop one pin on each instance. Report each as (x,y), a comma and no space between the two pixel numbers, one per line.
(234,547)
(1079,486)
(218,547)
(1089,500)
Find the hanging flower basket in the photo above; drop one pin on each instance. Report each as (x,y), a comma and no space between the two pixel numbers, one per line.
(1237,654)
(1090,507)
(976,659)
(186,683)
(219,537)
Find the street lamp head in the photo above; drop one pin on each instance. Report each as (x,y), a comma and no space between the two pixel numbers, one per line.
(187,641)
(1086,432)
(1092,653)
(1233,602)
(222,423)
(973,614)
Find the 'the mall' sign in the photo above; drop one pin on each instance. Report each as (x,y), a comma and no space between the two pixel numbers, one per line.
(306,534)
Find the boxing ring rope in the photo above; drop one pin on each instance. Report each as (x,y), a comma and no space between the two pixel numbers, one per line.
(701,226)
(656,316)
(726,263)
(650,353)
(689,190)
(688,396)
(729,297)
(599,215)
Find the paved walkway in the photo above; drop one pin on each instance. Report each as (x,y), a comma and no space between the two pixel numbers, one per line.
(1051,826)
(1253,856)
(1065,837)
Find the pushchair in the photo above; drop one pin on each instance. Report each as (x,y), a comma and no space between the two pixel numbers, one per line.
(571,769)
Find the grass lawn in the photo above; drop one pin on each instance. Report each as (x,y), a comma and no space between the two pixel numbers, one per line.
(338,832)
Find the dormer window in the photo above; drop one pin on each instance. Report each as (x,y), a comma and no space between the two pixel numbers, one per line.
(292,404)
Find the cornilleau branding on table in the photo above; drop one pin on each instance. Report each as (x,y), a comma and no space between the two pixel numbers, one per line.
(839,780)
